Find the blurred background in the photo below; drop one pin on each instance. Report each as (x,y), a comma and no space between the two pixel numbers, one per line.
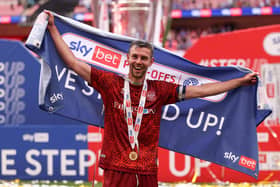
(187,23)
(207,32)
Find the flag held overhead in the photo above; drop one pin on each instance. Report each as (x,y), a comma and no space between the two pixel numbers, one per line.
(219,129)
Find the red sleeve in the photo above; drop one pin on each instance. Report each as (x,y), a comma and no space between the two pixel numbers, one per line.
(169,92)
(99,79)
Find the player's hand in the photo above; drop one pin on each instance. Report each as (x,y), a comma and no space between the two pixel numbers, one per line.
(250,79)
(50,19)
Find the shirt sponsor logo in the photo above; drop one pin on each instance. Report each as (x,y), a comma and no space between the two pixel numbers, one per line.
(134,109)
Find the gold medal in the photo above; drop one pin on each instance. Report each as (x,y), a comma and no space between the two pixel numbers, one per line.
(133,155)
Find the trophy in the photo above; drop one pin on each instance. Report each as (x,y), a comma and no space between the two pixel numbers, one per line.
(141,19)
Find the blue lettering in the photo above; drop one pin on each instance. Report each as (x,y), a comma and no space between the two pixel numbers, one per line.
(73,45)
(84,48)
(79,44)
(79,47)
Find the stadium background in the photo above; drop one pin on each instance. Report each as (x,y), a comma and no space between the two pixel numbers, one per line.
(193,23)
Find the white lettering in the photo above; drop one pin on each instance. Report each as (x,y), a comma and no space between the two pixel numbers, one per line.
(109,58)
(211,120)
(188,120)
(172,164)
(170,118)
(84,163)
(37,165)
(64,162)
(70,83)
(7,162)
(88,92)
(230,156)
(60,75)
(50,154)
(225,62)
(200,164)
(70,79)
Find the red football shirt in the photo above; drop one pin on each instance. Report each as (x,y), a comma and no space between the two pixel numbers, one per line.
(116,146)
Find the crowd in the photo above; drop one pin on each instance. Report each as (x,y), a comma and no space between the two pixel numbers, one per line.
(177,39)
(182,39)
(14,5)
(204,4)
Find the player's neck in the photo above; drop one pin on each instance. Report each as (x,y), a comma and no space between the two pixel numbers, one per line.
(136,81)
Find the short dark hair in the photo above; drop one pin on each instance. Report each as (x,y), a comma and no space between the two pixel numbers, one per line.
(142,43)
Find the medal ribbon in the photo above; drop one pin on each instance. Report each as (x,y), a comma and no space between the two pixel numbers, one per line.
(133,131)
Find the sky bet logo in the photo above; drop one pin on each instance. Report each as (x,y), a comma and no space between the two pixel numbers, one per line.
(243,161)
(92,52)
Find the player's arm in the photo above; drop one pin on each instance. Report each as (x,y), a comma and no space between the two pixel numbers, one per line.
(65,53)
(210,89)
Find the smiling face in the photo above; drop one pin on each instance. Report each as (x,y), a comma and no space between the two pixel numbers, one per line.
(139,59)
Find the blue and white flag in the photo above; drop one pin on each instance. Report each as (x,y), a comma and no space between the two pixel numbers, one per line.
(220,129)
